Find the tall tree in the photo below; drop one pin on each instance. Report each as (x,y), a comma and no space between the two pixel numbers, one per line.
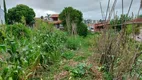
(15,14)
(5,11)
(71,18)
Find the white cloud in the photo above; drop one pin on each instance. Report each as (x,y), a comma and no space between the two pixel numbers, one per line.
(40,12)
(90,8)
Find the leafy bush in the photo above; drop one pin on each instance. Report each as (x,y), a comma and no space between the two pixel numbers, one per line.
(26,49)
(80,70)
(51,41)
(68,55)
(18,31)
(2,37)
(82,30)
(73,43)
(131,28)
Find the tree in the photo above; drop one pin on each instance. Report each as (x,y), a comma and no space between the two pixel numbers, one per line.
(41,17)
(15,14)
(48,16)
(71,18)
(5,11)
(82,30)
(140,16)
(116,23)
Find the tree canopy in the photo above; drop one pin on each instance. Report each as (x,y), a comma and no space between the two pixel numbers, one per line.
(71,18)
(140,16)
(119,20)
(15,14)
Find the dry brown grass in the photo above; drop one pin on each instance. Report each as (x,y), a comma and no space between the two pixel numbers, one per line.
(117,53)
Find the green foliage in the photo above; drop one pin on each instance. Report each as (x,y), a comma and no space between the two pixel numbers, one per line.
(116,23)
(82,29)
(74,14)
(18,31)
(2,37)
(133,29)
(27,48)
(140,16)
(73,43)
(69,16)
(108,76)
(129,29)
(68,55)
(15,14)
(80,70)
(79,58)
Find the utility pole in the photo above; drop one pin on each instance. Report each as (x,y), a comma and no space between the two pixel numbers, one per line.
(122,7)
(5,11)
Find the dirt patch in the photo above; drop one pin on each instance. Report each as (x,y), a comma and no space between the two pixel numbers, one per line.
(61,75)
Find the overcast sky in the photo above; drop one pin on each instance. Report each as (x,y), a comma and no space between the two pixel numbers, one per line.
(90,8)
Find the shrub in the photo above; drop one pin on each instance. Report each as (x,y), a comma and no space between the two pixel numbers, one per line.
(51,42)
(80,70)
(2,37)
(82,30)
(131,28)
(18,31)
(68,55)
(73,43)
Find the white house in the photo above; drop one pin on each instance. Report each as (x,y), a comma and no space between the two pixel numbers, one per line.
(2,20)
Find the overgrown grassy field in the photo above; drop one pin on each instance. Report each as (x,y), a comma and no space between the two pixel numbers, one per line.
(45,53)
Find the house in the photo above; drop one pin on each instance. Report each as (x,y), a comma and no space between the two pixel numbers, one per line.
(91,27)
(2,20)
(54,19)
(101,25)
(135,21)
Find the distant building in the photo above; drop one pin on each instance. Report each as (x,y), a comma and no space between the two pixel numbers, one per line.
(2,20)
(101,25)
(135,21)
(55,20)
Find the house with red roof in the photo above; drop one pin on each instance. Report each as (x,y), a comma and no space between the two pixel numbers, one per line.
(135,21)
(100,26)
(55,20)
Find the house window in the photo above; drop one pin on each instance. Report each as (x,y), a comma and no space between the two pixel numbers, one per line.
(55,19)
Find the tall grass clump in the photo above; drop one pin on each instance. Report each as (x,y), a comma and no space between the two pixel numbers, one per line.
(119,55)
(18,31)
(73,42)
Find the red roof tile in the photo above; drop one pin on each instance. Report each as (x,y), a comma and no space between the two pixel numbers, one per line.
(137,20)
(54,15)
(55,22)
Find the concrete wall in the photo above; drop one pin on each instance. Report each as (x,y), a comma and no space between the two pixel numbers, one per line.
(2,20)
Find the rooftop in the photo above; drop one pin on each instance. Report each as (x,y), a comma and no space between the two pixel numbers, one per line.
(54,15)
(137,20)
